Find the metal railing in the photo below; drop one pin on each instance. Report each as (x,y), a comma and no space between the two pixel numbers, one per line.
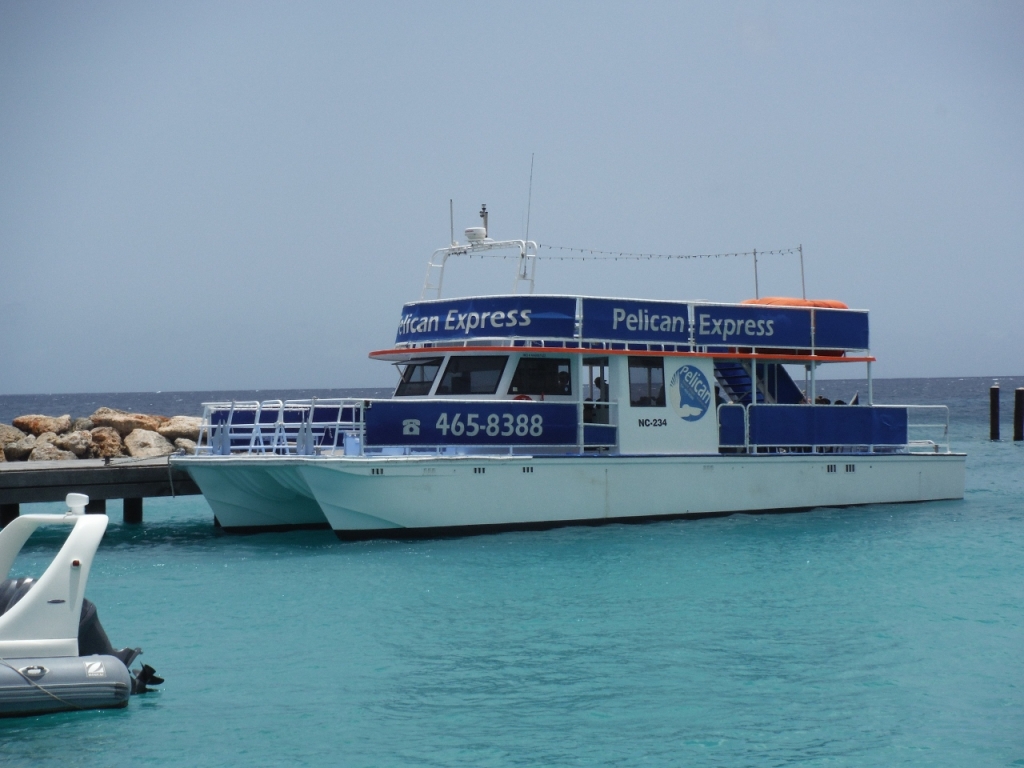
(929,445)
(734,432)
(332,426)
(279,427)
(326,427)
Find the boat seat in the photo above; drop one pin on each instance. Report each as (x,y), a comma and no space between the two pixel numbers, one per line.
(12,590)
(92,639)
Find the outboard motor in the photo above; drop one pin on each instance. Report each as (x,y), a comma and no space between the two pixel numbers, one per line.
(54,653)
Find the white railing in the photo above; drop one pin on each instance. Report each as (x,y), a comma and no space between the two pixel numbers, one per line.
(281,427)
(938,424)
(325,427)
(329,426)
(434,280)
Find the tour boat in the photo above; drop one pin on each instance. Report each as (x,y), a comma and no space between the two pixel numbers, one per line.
(531,411)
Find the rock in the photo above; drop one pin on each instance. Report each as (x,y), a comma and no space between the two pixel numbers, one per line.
(106,443)
(182,426)
(36,424)
(186,445)
(144,444)
(125,423)
(49,452)
(79,442)
(19,450)
(46,437)
(82,424)
(9,434)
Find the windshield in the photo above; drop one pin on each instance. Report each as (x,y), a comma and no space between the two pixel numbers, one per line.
(541,376)
(472,375)
(417,378)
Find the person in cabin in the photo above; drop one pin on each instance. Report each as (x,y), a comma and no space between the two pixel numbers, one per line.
(599,410)
(563,383)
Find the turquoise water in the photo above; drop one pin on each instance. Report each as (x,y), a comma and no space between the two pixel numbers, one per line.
(885,635)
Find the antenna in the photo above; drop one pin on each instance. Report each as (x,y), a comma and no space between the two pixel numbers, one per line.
(483,215)
(803,286)
(529,200)
(451,221)
(757,293)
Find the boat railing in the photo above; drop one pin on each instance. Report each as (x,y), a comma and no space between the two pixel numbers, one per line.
(806,428)
(932,424)
(446,426)
(401,426)
(279,427)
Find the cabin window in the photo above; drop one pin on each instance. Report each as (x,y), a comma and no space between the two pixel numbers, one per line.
(646,382)
(472,375)
(417,378)
(541,376)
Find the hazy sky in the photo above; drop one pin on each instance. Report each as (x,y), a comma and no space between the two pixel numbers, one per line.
(242,195)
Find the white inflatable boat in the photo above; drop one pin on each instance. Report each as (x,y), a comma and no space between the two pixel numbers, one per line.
(54,653)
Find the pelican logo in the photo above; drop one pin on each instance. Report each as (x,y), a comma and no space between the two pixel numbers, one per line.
(690,393)
(410,426)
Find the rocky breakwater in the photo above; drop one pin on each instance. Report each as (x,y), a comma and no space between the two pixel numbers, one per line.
(107,433)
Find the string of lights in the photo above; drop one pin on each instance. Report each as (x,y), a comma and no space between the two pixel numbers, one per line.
(593,253)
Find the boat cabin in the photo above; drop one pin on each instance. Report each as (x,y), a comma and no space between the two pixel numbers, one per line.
(612,375)
(556,374)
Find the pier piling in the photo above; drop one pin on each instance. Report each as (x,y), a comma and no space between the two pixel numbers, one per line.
(993,412)
(96,507)
(132,511)
(8,512)
(1018,414)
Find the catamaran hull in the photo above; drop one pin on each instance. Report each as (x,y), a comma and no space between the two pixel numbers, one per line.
(371,498)
(254,495)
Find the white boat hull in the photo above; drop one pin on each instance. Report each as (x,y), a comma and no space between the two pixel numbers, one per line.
(365,498)
(250,495)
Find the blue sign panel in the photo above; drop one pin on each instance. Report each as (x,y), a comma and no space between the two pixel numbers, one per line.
(840,329)
(658,322)
(470,422)
(552,317)
(752,326)
(828,425)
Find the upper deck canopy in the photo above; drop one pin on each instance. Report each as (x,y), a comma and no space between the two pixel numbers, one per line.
(576,320)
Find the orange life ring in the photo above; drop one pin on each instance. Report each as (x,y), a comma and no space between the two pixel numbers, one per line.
(522,397)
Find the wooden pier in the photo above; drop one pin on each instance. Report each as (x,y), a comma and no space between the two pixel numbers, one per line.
(25,482)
